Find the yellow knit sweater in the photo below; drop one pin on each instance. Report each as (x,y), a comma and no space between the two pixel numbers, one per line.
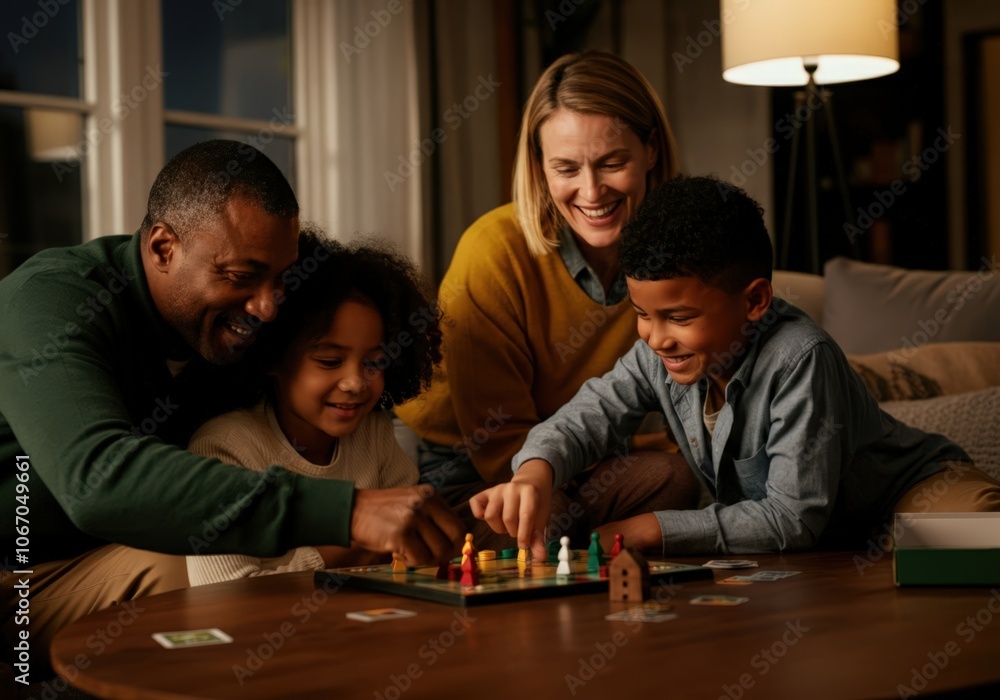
(520,338)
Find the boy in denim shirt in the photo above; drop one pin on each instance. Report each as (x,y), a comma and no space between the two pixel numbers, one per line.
(762,402)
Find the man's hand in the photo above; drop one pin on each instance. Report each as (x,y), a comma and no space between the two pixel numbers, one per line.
(520,507)
(409,521)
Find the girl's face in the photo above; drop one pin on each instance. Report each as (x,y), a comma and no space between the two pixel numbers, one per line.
(325,386)
(595,167)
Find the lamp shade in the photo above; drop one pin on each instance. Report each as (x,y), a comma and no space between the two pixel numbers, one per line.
(54,134)
(768,42)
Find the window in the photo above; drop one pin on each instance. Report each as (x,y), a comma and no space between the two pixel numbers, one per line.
(95,96)
(42,113)
(230,69)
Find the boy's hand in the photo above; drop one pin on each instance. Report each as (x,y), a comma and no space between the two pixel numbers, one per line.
(409,520)
(520,507)
(641,532)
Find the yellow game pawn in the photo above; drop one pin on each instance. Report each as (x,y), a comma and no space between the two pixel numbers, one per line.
(468,549)
(399,566)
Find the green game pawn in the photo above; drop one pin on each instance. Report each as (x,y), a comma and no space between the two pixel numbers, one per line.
(596,552)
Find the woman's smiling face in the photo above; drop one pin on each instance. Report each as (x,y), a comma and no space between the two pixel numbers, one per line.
(596,168)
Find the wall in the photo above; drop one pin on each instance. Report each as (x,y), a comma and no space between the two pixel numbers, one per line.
(960,17)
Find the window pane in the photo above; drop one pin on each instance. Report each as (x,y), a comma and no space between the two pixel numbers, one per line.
(42,51)
(226,58)
(280,149)
(41,182)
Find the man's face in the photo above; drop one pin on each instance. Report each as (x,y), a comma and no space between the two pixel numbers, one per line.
(224,281)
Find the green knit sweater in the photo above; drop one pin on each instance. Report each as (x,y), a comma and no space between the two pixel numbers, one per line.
(87,397)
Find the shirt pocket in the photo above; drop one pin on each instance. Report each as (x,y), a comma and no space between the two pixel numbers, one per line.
(752,474)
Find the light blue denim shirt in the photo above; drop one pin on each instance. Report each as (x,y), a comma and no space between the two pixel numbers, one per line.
(583,274)
(800,449)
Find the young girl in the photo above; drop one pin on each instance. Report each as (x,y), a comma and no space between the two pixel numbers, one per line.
(355,336)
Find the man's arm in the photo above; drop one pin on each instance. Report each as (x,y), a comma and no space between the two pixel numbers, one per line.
(69,416)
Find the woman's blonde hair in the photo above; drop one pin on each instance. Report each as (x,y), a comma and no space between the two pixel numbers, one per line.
(593,82)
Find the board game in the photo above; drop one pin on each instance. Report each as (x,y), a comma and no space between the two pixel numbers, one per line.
(500,580)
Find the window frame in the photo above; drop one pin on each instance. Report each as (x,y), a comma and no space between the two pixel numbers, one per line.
(122,46)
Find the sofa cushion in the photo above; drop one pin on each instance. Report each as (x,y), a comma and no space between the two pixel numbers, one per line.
(969,419)
(872,308)
(802,290)
(930,370)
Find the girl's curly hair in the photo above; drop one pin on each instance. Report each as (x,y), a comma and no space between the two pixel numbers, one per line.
(370,270)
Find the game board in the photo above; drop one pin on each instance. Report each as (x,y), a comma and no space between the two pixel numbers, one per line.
(500,580)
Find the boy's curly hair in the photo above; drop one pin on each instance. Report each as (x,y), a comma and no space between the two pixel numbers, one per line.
(700,227)
(326,275)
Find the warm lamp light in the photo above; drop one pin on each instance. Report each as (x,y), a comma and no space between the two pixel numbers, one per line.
(53,134)
(769,42)
(810,43)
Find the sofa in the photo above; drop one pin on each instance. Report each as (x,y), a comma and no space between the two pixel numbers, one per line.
(926,344)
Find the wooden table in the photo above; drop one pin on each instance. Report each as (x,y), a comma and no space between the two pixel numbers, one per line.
(837,630)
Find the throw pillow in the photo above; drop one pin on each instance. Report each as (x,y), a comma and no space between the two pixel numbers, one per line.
(930,370)
(971,420)
(873,308)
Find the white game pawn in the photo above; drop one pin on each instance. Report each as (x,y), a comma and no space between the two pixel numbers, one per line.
(564,556)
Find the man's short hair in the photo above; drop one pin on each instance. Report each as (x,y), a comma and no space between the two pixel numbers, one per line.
(697,227)
(193,188)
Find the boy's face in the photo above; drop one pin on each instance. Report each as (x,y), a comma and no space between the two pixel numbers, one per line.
(326,385)
(696,329)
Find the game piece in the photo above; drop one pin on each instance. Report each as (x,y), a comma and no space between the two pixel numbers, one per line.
(629,577)
(524,555)
(619,544)
(486,555)
(399,566)
(509,553)
(454,572)
(604,571)
(595,555)
(523,569)
(468,549)
(442,572)
(564,557)
(470,570)
(553,550)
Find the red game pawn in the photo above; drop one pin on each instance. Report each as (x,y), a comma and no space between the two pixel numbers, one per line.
(619,544)
(470,572)
(442,572)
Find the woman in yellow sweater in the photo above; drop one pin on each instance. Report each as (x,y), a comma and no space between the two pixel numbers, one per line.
(535,305)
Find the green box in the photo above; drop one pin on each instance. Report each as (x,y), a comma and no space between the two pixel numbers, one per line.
(947,549)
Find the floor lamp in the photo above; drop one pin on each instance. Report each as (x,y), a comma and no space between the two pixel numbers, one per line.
(810,43)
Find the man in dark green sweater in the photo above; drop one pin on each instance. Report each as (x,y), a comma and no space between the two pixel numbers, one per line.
(111,354)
